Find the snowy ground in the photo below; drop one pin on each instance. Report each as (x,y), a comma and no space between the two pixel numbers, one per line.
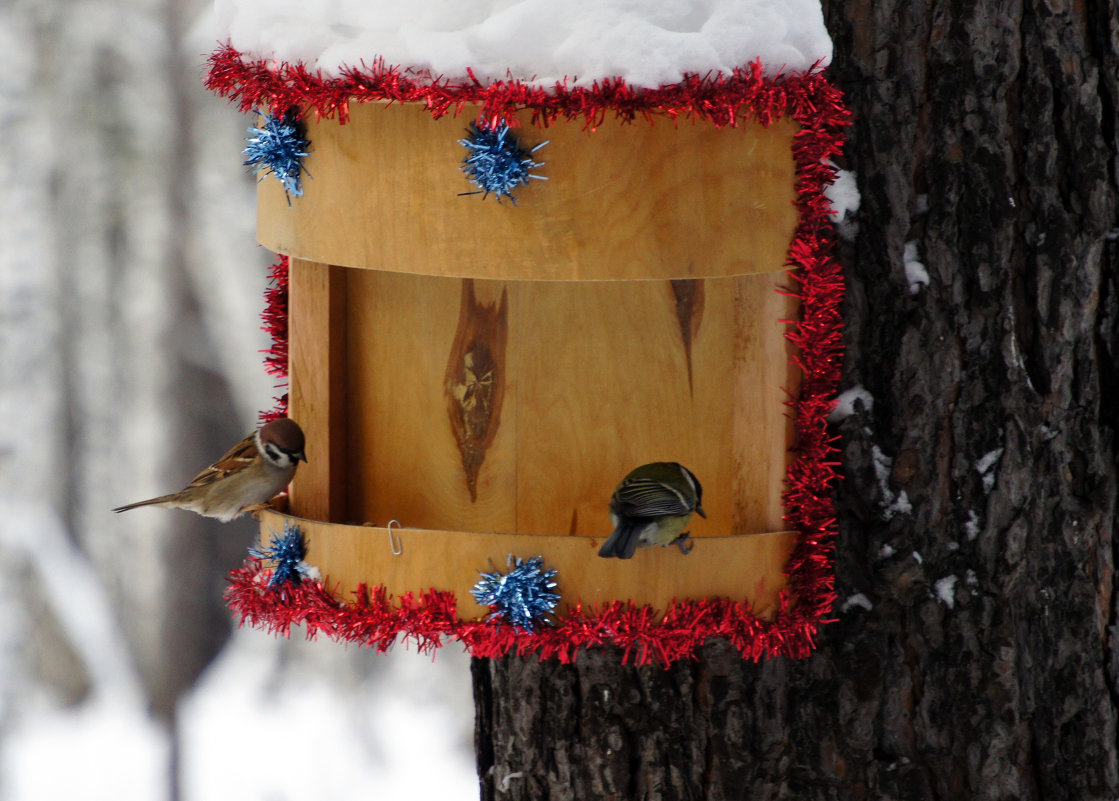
(269,720)
(404,730)
(254,732)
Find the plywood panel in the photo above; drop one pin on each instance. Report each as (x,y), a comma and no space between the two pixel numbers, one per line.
(623,201)
(404,460)
(765,377)
(316,330)
(566,387)
(740,568)
(514,406)
(607,379)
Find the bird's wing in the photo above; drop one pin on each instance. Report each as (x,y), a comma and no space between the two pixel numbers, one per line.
(646,497)
(237,459)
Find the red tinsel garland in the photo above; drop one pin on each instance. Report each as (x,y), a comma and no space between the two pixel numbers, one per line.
(275,323)
(372,618)
(717,98)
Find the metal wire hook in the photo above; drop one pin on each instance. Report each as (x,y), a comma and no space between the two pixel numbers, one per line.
(395,542)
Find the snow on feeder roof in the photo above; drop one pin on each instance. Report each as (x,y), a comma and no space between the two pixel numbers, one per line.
(537,42)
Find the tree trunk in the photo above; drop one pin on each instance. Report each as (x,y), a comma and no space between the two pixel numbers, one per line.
(972,655)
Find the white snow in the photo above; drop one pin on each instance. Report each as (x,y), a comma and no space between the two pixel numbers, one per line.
(845,403)
(900,505)
(986,466)
(648,42)
(503,785)
(971,527)
(271,719)
(843,194)
(99,750)
(110,747)
(856,601)
(893,503)
(945,590)
(915,273)
(281,720)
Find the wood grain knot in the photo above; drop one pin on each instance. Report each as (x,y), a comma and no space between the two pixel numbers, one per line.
(475,379)
(688,297)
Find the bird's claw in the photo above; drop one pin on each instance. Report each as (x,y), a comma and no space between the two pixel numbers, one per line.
(257,508)
(684,541)
(277,503)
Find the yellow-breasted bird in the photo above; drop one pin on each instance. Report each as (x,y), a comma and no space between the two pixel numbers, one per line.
(652,506)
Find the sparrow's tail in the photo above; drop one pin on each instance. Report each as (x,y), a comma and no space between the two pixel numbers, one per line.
(623,542)
(149,502)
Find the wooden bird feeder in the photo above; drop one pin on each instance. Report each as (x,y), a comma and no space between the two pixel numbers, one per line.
(475,376)
(485,373)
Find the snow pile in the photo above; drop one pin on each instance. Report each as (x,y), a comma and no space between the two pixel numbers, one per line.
(856,601)
(274,719)
(945,590)
(648,43)
(843,194)
(103,749)
(893,503)
(107,747)
(915,273)
(987,468)
(849,401)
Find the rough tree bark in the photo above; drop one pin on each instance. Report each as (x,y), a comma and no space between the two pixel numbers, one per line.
(977,659)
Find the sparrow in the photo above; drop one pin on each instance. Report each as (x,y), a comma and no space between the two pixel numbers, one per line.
(255,469)
(652,506)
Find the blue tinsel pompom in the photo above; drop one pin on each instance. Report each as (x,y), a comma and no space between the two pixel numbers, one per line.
(495,161)
(279,147)
(287,552)
(522,596)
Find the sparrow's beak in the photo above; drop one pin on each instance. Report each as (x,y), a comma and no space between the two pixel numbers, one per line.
(299,457)
(699,511)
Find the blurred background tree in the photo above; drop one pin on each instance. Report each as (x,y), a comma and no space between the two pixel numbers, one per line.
(130,292)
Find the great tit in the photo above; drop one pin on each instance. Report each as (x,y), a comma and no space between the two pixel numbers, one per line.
(652,506)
